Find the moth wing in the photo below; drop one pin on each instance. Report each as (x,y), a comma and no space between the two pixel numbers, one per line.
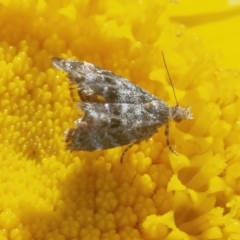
(105,126)
(95,84)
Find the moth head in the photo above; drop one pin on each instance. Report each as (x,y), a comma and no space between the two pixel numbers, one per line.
(178,114)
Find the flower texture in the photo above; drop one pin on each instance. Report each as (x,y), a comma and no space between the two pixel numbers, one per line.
(47,192)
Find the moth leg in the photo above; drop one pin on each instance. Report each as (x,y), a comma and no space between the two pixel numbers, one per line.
(125,151)
(167,138)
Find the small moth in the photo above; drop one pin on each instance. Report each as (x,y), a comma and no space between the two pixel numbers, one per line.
(116,111)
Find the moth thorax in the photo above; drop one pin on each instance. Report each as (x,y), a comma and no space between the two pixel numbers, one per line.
(178,114)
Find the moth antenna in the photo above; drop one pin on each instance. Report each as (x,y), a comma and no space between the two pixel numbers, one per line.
(170,80)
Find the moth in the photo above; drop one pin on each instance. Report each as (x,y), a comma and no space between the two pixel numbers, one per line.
(116,112)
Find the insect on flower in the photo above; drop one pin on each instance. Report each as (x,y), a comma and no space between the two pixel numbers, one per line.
(116,111)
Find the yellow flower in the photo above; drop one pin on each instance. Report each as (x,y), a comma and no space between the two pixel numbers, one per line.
(47,192)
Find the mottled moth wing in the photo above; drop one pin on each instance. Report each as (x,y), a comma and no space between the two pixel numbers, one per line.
(95,84)
(116,111)
(105,125)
